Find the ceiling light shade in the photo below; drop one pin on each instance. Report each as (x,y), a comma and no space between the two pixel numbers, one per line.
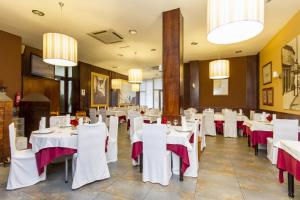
(219,69)
(232,21)
(59,49)
(116,84)
(135,87)
(135,76)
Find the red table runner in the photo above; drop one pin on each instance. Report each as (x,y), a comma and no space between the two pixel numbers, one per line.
(180,150)
(260,137)
(286,162)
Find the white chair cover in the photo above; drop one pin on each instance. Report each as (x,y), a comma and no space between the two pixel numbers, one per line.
(156,158)
(80,121)
(192,170)
(188,114)
(257,117)
(202,134)
(93,115)
(158,121)
(230,125)
(209,123)
(284,129)
(57,121)
(23,170)
(252,112)
(90,160)
(112,148)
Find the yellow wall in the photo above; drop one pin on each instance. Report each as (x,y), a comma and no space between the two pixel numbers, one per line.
(272,52)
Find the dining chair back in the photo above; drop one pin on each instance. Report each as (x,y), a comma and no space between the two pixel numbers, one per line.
(90,161)
(156,158)
(230,124)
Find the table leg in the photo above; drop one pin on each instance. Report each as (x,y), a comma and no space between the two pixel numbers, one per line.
(256,149)
(141,163)
(291,185)
(181,174)
(248,137)
(66,169)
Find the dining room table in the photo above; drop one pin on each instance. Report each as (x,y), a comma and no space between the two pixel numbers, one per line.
(289,161)
(178,141)
(258,132)
(52,143)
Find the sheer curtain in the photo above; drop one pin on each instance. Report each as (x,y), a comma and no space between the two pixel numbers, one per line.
(151,93)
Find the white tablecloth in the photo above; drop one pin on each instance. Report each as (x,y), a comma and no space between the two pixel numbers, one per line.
(291,147)
(220,117)
(174,137)
(60,137)
(260,125)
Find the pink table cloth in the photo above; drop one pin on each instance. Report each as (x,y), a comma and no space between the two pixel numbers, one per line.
(180,150)
(286,162)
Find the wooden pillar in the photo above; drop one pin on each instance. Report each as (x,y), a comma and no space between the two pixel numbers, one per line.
(172,63)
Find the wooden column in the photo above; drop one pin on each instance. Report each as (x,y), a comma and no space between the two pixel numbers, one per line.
(172,63)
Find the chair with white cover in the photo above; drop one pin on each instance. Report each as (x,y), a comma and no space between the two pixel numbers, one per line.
(284,129)
(192,170)
(56,121)
(188,114)
(257,117)
(23,169)
(112,146)
(230,125)
(156,158)
(89,163)
(93,115)
(252,112)
(209,123)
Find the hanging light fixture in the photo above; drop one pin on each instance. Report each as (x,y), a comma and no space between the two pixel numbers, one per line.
(232,21)
(135,87)
(59,49)
(116,84)
(135,76)
(219,69)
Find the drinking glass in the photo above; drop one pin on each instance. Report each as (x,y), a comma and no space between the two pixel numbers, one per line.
(175,122)
(168,124)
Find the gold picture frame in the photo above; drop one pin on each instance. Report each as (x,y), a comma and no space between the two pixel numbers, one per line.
(99,90)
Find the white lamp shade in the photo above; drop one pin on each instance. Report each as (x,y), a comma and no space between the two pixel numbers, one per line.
(232,21)
(116,84)
(219,69)
(135,76)
(59,49)
(135,87)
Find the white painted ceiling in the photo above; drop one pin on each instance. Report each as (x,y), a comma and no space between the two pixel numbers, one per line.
(81,17)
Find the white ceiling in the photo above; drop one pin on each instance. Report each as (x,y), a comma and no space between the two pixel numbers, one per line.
(81,17)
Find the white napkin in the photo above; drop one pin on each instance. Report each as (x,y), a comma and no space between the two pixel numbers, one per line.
(68,120)
(158,120)
(273,116)
(240,111)
(42,123)
(80,121)
(183,122)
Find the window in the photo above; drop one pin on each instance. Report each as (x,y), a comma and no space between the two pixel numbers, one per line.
(151,93)
(64,76)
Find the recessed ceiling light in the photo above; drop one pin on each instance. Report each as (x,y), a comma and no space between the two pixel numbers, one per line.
(119,54)
(194,43)
(37,12)
(132,32)
(238,51)
(152,49)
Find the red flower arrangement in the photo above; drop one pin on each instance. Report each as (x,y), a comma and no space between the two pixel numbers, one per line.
(164,120)
(269,118)
(142,112)
(74,122)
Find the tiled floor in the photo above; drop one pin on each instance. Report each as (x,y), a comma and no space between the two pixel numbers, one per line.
(228,171)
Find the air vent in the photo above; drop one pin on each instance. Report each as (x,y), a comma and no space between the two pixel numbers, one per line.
(107,36)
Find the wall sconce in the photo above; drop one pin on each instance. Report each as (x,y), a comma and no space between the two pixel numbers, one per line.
(276,75)
(193,85)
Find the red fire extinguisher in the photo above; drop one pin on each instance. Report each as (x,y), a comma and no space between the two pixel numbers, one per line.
(17,99)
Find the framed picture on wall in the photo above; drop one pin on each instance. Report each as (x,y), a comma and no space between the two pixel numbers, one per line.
(99,90)
(220,87)
(270,96)
(267,73)
(264,96)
